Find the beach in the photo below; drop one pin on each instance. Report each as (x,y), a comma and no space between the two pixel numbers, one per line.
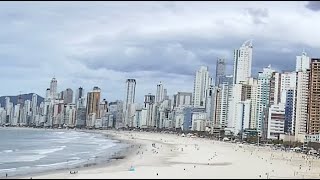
(156,155)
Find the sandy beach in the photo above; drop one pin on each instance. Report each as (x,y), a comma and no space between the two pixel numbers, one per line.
(171,156)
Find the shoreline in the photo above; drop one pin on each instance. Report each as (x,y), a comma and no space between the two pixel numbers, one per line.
(173,156)
(160,155)
(120,154)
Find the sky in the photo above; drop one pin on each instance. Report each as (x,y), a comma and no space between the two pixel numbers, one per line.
(102,44)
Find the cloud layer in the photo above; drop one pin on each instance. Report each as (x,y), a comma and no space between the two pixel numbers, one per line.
(103,43)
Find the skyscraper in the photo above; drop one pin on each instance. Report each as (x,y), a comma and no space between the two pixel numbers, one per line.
(242,62)
(182,99)
(263,93)
(302,62)
(68,96)
(301,108)
(160,93)
(149,104)
(202,81)
(314,97)
(79,93)
(93,101)
(79,98)
(220,71)
(131,91)
(53,88)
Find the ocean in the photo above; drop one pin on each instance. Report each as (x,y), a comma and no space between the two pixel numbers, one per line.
(26,151)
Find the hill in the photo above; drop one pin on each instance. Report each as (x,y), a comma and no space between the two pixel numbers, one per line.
(14,99)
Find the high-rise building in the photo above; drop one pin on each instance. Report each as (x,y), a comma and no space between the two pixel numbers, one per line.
(301,108)
(289,124)
(242,63)
(48,92)
(53,88)
(202,82)
(314,97)
(149,104)
(220,71)
(223,101)
(68,96)
(79,98)
(302,62)
(276,121)
(254,102)
(263,94)
(159,93)
(288,82)
(182,99)
(93,101)
(287,97)
(131,91)
(79,93)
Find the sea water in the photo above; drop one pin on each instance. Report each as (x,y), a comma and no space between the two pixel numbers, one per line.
(24,151)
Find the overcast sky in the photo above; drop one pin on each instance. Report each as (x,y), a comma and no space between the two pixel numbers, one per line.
(103,43)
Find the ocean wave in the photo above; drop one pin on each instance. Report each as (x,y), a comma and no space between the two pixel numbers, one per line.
(25,158)
(47,151)
(61,164)
(58,132)
(8,170)
(7,151)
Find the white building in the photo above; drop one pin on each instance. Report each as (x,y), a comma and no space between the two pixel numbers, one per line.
(199,121)
(130,98)
(70,115)
(242,62)
(288,82)
(254,102)
(312,138)
(263,93)
(301,109)
(233,119)
(159,93)
(16,115)
(53,88)
(276,120)
(302,62)
(182,99)
(131,91)
(202,81)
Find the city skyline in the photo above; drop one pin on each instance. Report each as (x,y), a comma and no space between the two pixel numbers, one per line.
(77,51)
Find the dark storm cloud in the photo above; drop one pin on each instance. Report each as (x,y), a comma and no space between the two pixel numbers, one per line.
(313,5)
(103,43)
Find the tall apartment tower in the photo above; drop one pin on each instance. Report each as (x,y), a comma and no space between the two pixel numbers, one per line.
(302,62)
(149,101)
(201,84)
(93,101)
(242,63)
(53,88)
(79,93)
(220,71)
(263,94)
(314,97)
(68,96)
(301,105)
(160,92)
(131,90)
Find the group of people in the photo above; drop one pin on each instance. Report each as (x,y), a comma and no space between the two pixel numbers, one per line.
(73,172)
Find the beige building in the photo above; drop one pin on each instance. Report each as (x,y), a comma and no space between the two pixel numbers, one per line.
(314,97)
(301,109)
(93,102)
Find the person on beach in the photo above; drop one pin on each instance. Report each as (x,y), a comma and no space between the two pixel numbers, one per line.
(6,175)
